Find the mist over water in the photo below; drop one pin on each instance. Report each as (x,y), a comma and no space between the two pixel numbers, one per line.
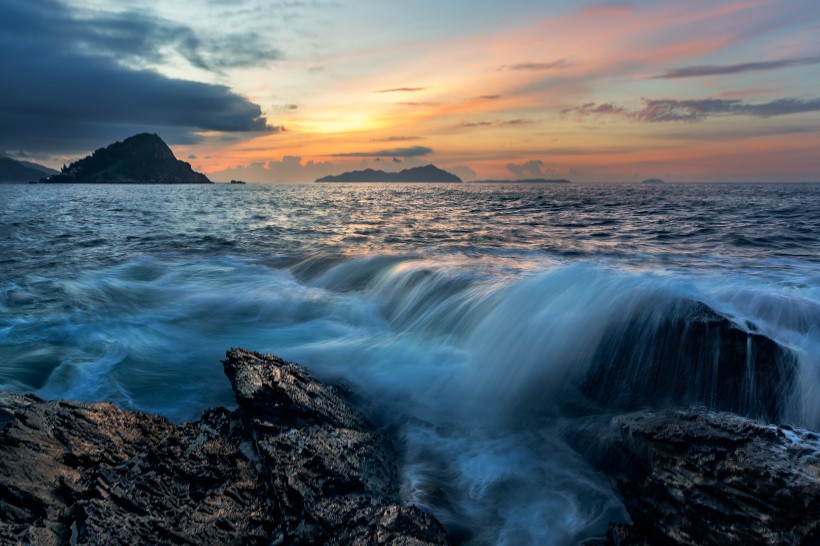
(473,319)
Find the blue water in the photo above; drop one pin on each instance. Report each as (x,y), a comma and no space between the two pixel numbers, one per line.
(468,315)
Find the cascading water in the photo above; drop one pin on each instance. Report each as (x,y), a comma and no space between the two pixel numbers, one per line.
(488,363)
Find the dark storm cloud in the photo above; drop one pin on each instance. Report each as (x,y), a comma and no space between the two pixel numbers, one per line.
(142,37)
(722,70)
(413,151)
(65,87)
(666,110)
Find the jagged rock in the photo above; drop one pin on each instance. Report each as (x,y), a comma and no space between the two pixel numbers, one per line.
(696,477)
(295,463)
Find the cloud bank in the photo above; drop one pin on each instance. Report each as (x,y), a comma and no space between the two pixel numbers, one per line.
(70,83)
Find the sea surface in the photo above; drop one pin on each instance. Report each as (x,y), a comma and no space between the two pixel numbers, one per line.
(470,316)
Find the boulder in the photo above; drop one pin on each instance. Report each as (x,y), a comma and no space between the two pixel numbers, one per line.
(697,477)
(294,463)
(677,353)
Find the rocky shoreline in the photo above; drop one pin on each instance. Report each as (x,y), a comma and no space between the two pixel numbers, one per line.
(296,463)
(293,464)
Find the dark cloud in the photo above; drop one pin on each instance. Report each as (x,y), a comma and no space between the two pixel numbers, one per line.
(560,63)
(722,70)
(665,110)
(594,108)
(518,121)
(413,151)
(402,90)
(489,97)
(697,110)
(68,87)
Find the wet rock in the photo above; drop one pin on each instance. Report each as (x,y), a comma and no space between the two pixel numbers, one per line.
(681,352)
(294,464)
(696,477)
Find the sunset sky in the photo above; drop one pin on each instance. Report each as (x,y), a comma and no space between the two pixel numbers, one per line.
(293,90)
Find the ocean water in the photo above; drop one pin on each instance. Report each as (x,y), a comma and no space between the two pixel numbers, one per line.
(472,317)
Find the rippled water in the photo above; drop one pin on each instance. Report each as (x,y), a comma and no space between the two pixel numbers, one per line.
(469,314)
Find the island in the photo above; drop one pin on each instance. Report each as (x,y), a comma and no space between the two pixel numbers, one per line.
(428,173)
(653,181)
(140,159)
(524,181)
(13,171)
(237,182)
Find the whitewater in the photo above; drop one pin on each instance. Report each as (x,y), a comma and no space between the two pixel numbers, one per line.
(473,320)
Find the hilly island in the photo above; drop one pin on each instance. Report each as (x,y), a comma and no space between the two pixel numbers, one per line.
(140,159)
(428,173)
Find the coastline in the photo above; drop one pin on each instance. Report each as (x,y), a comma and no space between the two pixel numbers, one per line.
(296,462)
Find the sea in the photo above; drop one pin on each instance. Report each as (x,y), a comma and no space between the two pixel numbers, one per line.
(471,318)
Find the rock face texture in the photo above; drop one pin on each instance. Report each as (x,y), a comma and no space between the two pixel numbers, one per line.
(140,159)
(695,477)
(294,464)
(680,353)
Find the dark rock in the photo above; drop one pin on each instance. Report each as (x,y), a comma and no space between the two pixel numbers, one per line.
(697,477)
(294,464)
(680,352)
(427,173)
(140,159)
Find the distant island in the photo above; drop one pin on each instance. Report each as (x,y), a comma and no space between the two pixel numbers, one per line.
(140,159)
(524,181)
(14,171)
(428,173)
(237,182)
(653,181)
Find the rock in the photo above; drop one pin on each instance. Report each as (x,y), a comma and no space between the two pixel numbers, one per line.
(680,352)
(696,477)
(295,463)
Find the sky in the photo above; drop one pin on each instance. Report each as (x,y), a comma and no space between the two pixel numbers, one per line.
(290,90)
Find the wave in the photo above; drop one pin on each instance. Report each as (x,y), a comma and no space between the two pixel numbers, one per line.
(482,365)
